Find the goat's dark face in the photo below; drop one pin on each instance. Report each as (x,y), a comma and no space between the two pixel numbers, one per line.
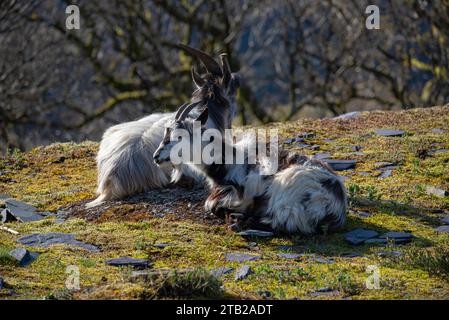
(219,83)
(178,131)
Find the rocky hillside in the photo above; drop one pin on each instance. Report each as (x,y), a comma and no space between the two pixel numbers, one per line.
(162,245)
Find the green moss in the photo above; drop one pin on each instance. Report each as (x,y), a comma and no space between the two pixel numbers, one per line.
(398,203)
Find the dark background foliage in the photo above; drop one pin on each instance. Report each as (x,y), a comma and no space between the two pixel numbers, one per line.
(297,58)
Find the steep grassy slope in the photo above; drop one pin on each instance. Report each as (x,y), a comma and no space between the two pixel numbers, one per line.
(63,176)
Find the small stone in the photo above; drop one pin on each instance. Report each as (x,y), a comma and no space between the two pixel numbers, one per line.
(2,283)
(442,229)
(340,165)
(127,261)
(359,236)
(163,245)
(323,260)
(23,211)
(256,233)
(306,135)
(219,272)
(328,140)
(241,257)
(322,156)
(292,256)
(438,151)
(324,289)
(236,227)
(356,148)
(436,191)
(264,294)
(364,174)
(23,256)
(445,220)
(289,141)
(362,214)
(394,254)
(397,235)
(382,164)
(351,255)
(315,147)
(243,272)
(437,130)
(6,216)
(385,174)
(348,115)
(45,240)
(390,133)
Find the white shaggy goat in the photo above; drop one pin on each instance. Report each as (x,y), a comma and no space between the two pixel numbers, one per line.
(125,158)
(303,196)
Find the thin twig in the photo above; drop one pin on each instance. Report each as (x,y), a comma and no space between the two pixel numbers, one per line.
(9,230)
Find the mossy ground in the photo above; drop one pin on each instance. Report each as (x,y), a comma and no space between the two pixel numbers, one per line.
(397,203)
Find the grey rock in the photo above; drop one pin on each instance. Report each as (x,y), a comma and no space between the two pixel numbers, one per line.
(243,272)
(4,197)
(393,254)
(219,272)
(444,220)
(127,261)
(324,289)
(442,229)
(306,135)
(385,174)
(256,233)
(356,148)
(328,140)
(348,115)
(6,216)
(23,256)
(326,293)
(397,235)
(290,255)
(351,255)
(321,156)
(437,130)
(45,240)
(323,260)
(289,141)
(236,227)
(362,214)
(390,133)
(163,245)
(439,151)
(264,294)
(376,241)
(2,283)
(436,191)
(382,164)
(302,145)
(23,211)
(340,165)
(315,147)
(364,174)
(241,257)
(359,236)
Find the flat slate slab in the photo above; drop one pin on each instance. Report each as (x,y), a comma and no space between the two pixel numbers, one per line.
(45,240)
(321,156)
(442,229)
(348,115)
(241,257)
(436,191)
(23,256)
(359,236)
(219,272)
(127,261)
(439,151)
(256,233)
(292,256)
(22,211)
(385,174)
(390,133)
(243,272)
(163,245)
(340,165)
(444,220)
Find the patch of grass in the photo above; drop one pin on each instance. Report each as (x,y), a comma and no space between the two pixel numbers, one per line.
(5,258)
(434,260)
(197,283)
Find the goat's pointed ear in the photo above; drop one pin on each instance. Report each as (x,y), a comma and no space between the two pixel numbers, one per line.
(203,117)
(226,69)
(196,77)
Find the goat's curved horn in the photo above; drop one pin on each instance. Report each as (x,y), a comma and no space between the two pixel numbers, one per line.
(226,68)
(181,108)
(186,111)
(211,65)
(196,77)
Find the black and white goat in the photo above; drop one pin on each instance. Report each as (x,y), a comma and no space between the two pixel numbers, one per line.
(124,161)
(302,196)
